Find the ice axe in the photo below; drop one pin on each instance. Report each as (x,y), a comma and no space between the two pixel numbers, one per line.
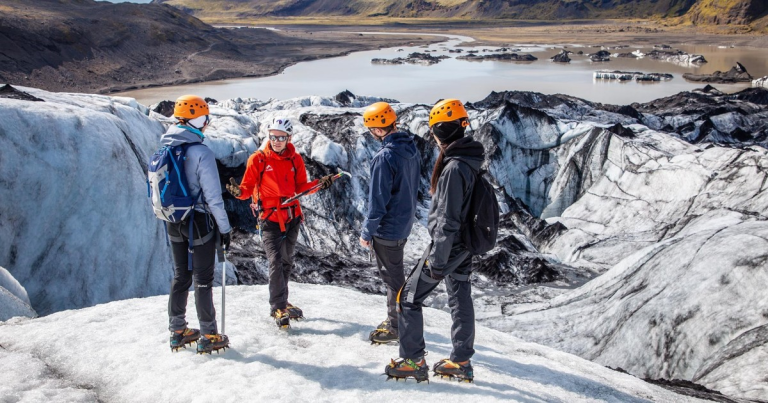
(313,188)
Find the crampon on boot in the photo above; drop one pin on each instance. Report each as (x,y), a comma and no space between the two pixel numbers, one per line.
(209,343)
(405,368)
(282,318)
(383,334)
(294,312)
(181,339)
(459,371)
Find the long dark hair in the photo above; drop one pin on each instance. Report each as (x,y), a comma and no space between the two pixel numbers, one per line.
(437,171)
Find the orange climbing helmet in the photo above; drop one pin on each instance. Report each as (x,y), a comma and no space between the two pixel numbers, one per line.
(448,110)
(189,107)
(379,114)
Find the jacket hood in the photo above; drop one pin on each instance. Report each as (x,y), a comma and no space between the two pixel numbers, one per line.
(176,135)
(401,144)
(467,150)
(290,150)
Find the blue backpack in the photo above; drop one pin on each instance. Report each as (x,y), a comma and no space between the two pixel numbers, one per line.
(168,191)
(167,184)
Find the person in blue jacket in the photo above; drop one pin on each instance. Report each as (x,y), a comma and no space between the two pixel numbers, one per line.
(394,183)
(210,220)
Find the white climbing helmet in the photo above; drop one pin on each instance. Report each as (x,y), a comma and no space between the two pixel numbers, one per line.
(282,124)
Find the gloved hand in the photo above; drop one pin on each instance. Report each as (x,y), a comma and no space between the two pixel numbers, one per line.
(233,188)
(325,182)
(226,239)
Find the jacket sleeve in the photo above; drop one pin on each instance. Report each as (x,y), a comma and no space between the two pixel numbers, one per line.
(379,193)
(208,174)
(301,176)
(449,197)
(251,178)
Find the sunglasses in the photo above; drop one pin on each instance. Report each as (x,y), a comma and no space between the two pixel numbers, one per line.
(278,138)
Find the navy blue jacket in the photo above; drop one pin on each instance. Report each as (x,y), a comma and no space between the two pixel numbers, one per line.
(395,176)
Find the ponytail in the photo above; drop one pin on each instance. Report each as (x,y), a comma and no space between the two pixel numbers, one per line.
(437,171)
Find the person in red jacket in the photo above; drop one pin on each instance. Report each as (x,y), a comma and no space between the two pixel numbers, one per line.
(272,175)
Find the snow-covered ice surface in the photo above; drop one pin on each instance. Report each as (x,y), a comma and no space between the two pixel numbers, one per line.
(664,201)
(119,352)
(74,231)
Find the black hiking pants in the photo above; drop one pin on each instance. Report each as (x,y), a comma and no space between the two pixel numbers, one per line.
(418,287)
(389,260)
(279,247)
(203,262)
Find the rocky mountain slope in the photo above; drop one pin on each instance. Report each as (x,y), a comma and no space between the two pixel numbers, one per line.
(706,11)
(90,46)
(721,12)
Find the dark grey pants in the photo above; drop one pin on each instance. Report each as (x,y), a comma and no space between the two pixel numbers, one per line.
(279,247)
(203,262)
(389,259)
(418,287)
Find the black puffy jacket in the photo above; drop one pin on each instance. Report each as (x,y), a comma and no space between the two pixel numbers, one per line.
(450,203)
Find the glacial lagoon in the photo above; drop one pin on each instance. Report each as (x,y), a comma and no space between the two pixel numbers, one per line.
(474,80)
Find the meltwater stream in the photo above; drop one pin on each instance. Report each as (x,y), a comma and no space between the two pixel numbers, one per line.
(469,80)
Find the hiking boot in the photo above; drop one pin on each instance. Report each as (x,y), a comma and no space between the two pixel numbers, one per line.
(294,312)
(383,334)
(460,371)
(405,368)
(209,343)
(180,339)
(282,318)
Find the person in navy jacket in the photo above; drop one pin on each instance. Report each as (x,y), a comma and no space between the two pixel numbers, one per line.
(394,183)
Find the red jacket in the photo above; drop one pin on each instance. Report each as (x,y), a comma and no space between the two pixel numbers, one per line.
(272,178)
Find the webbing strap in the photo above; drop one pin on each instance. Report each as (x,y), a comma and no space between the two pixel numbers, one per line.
(191,248)
(459,277)
(197,242)
(415,281)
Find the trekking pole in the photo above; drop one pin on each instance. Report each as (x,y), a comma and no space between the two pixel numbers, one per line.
(223,288)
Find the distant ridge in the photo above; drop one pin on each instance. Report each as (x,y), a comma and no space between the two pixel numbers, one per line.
(716,12)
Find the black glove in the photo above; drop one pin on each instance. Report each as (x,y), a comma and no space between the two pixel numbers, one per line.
(233,187)
(326,181)
(226,239)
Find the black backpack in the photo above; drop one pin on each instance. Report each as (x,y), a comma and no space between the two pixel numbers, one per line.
(481,227)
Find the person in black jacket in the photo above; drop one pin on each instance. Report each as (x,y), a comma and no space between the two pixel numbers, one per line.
(394,184)
(453,179)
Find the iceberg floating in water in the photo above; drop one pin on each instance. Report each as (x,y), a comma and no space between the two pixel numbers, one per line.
(630,76)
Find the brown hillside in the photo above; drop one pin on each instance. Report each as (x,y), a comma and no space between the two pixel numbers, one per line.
(84,45)
(697,11)
(726,12)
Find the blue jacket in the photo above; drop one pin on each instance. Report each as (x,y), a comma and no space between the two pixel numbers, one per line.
(395,176)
